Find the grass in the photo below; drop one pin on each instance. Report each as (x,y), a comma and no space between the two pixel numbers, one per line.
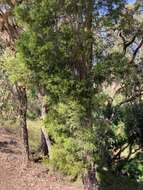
(10,126)
(34,127)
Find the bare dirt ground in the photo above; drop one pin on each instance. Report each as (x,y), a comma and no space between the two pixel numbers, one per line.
(15,174)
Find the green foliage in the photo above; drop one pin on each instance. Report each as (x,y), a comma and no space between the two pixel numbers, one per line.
(66,152)
(72,141)
(71,48)
(111,182)
(131,115)
(128,133)
(14,67)
(134,169)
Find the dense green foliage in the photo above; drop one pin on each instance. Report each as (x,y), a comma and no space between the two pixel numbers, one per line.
(74,50)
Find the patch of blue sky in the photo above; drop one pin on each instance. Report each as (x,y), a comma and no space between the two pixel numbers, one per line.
(131,1)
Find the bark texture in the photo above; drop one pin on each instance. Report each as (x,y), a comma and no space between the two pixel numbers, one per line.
(22,97)
(89,180)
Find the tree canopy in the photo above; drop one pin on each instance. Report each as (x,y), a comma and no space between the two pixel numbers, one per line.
(73,51)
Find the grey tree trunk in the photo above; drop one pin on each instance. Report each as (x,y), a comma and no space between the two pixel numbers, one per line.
(45,143)
(45,140)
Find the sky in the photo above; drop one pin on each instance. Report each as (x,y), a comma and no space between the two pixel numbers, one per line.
(131,1)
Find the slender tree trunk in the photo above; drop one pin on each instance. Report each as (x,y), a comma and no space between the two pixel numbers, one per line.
(23,124)
(22,97)
(45,143)
(45,140)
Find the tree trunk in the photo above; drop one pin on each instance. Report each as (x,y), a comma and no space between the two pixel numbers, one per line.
(45,143)
(23,124)
(89,180)
(45,140)
(22,97)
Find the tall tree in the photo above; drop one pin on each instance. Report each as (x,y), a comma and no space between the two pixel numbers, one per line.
(17,74)
(15,71)
(73,49)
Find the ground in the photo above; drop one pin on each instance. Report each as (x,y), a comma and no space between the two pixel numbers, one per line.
(17,174)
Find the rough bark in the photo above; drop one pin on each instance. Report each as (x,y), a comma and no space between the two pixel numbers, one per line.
(22,98)
(89,180)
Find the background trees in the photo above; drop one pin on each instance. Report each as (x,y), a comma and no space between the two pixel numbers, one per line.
(13,66)
(18,76)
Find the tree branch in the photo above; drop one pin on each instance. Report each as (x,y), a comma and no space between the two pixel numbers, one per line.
(136,51)
(130,99)
(116,156)
(126,43)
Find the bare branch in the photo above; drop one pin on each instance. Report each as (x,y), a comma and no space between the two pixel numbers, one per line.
(117,156)
(136,51)
(126,43)
(130,99)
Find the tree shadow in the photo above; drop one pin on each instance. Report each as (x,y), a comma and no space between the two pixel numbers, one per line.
(5,147)
(108,181)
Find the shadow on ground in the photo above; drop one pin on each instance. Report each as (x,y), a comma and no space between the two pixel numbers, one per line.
(112,182)
(5,146)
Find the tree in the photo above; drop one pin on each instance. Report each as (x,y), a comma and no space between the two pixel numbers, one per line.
(7,107)
(17,73)
(73,49)
(61,47)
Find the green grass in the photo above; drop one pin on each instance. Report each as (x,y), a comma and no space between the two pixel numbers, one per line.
(34,127)
(10,126)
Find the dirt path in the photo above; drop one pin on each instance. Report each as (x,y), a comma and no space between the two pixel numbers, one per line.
(15,175)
